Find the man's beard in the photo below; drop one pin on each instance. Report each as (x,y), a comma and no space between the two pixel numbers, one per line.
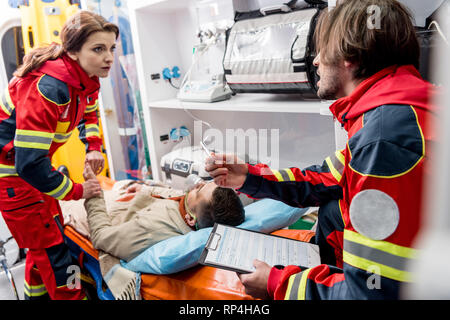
(329,89)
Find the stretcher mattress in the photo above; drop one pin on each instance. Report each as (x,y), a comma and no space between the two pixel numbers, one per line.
(197,283)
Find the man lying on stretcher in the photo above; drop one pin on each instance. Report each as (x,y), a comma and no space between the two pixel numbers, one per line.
(152,216)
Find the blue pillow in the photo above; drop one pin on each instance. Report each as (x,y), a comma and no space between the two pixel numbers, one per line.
(182,252)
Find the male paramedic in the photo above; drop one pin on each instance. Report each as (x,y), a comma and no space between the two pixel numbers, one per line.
(369,193)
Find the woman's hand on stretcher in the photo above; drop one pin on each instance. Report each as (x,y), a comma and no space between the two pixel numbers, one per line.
(91,186)
(227,170)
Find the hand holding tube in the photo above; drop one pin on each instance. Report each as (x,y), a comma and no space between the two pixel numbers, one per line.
(227,170)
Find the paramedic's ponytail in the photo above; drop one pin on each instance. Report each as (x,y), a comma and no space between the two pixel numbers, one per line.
(37,57)
(74,34)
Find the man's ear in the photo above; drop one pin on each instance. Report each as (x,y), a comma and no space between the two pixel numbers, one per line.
(351,66)
(190,221)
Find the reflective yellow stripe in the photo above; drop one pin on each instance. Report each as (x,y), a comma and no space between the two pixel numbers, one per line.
(296,289)
(62,190)
(31,145)
(278,175)
(6,103)
(333,170)
(369,265)
(33,287)
(62,137)
(8,99)
(340,157)
(6,171)
(380,245)
(390,260)
(33,139)
(340,210)
(286,175)
(92,130)
(91,108)
(34,291)
(35,133)
(4,109)
(289,287)
(92,134)
(291,174)
(302,288)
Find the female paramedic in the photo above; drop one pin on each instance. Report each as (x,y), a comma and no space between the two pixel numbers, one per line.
(54,90)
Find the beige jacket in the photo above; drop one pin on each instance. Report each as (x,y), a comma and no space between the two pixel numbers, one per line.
(131,227)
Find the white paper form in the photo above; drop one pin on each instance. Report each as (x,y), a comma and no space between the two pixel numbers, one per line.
(237,248)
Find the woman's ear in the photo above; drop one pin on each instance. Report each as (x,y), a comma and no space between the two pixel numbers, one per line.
(72,56)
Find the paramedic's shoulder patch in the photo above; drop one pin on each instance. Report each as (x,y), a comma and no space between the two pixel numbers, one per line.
(390,143)
(54,90)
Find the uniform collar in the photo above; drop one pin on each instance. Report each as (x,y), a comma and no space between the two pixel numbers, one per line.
(392,85)
(70,72)
(85,83)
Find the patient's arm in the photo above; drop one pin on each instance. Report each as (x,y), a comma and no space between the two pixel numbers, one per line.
(157,191)
(122,241)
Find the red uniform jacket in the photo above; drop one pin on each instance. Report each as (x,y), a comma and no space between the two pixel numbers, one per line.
(381,171)
(38,114)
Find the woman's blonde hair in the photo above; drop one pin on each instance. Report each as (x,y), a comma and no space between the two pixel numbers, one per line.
(373,34)
(74,34)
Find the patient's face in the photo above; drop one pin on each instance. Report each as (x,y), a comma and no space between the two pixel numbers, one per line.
(201,193)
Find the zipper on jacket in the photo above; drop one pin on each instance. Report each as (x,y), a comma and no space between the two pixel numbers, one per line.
(76,108)
(28,205)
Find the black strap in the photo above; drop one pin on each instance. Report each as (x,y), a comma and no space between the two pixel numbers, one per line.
(60,227)
(319,2)
(291,4)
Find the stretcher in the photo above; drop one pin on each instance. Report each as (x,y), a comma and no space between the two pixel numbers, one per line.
(196,283)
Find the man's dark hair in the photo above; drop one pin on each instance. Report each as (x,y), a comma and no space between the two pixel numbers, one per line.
(225,207)
(346,33)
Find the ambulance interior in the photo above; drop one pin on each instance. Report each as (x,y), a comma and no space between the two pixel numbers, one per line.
(177,68)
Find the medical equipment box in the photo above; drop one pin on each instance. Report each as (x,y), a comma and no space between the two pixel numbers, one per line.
(272,51)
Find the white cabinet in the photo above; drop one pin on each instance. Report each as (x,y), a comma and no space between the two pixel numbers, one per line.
(164,34)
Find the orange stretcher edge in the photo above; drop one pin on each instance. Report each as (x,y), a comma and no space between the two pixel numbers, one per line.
(197,283)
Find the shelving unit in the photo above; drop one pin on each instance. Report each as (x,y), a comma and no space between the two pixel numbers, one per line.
(164,34)
(252,102)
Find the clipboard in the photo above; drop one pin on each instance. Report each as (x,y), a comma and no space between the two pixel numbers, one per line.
(234,249)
